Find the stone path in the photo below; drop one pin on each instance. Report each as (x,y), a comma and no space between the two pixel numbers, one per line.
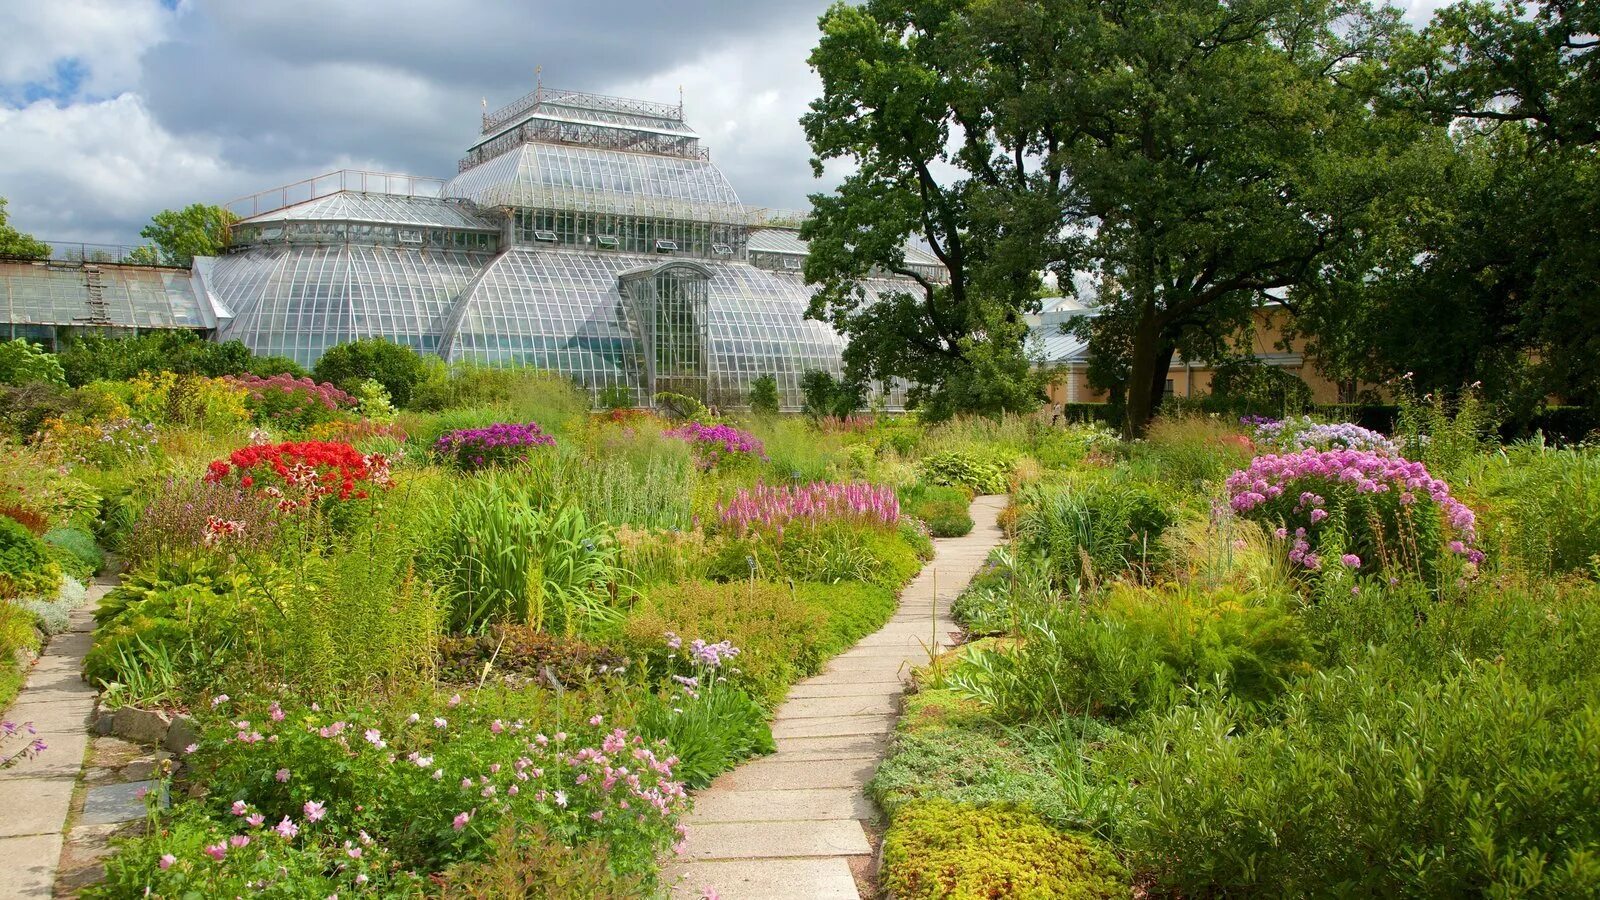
(36,794)
(791,825)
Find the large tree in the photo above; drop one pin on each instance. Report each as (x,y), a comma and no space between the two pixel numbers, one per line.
(16,244)
(1197,155)
(179,235)
(949,115)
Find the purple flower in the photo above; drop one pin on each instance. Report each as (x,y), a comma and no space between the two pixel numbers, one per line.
(1351,560)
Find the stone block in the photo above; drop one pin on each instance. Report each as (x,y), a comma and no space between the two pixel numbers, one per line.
(147,726)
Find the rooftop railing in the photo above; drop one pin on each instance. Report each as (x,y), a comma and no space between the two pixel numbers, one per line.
(776,218)
(332,183)
(498,119)
(76,253)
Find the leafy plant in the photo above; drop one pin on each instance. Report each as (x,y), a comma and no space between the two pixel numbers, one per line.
(967,469)
(25,564)
(764,400)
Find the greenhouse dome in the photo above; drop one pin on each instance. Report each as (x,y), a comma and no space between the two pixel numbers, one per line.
(585,234)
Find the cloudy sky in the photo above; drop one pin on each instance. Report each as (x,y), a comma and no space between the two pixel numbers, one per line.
(111,110)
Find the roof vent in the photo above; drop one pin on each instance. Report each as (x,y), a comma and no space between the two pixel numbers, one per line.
(792,262)
(722,249)
(410,236)
(545,235)
(608,241)
(665,246)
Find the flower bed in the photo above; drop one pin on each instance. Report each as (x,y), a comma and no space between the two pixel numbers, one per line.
(715,443)
(1370,508)
(1298,434)
(291,402)
(768,507)
(501,444)
(297,474)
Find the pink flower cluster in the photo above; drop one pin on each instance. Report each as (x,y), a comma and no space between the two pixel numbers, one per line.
(328,396)
(712,443)
(765,506)
(1272,480)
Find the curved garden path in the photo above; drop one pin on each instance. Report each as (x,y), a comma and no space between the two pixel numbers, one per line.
(793,824)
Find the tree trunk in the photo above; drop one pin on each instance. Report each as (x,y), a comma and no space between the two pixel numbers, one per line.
(1147,376)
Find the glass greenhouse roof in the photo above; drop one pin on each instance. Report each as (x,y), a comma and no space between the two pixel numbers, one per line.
(390,209)
(592,179)
(103,295)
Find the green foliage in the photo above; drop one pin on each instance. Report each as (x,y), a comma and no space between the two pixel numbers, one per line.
(826,396)
(521,654)
(826,554)
(25,564)
(1443,434)
(532,864)
(503,558)
(968,469)
(1541,506)
(16,244)
(1245,384)
(710,731)
(1009,589)
(1101,531)
(784,632)
(616,396)
(681,406)
(23,363)
(945,518)
(764,400)
(395,366)
(78,554)
(88,356)
(182,234)
(937,849)
(1189,452)
(1371,784)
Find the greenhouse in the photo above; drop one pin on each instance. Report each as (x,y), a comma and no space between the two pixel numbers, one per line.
(586,234)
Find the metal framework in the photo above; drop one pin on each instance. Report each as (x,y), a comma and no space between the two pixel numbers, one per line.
(332,183)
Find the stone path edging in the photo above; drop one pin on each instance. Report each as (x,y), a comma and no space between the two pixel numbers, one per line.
(790,825)
(36,794)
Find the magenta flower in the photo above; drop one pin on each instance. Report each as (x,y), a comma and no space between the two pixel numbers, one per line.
(167,859)
(1351,560)
(217,851)
(461,821)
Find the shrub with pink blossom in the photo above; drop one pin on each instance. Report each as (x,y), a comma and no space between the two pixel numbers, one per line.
(1296,434)
(501,444)
(714,444)
(1363,509)
(289,402)
(778,507)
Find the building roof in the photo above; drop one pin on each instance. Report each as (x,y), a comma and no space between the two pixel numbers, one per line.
(787,240)
(103,295)
(599,180)
(388,209)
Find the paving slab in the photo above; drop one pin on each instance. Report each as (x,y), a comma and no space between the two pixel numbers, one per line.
(33,806)
(769,879)
(111,804)
(832,726)
(28,864)
(841,746)
(719,804)
(813,707)
(62,758)
(807,690)
(780,775)
(750,840)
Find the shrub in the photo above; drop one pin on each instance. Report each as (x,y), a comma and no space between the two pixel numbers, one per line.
(88,356)
(520,654)
(290,403)
(946,519)
(166,635)
(52,612)
(397,367)
(1095,532)
(714,444)
(764,507)
(1543,506)
(501,444)
(503,558)
(533,864)
(1369,783)
(615,396)
(1365,510)
(25,564)
(965,468)
(937,849)
(22,363)
(764,399)
(75,550)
